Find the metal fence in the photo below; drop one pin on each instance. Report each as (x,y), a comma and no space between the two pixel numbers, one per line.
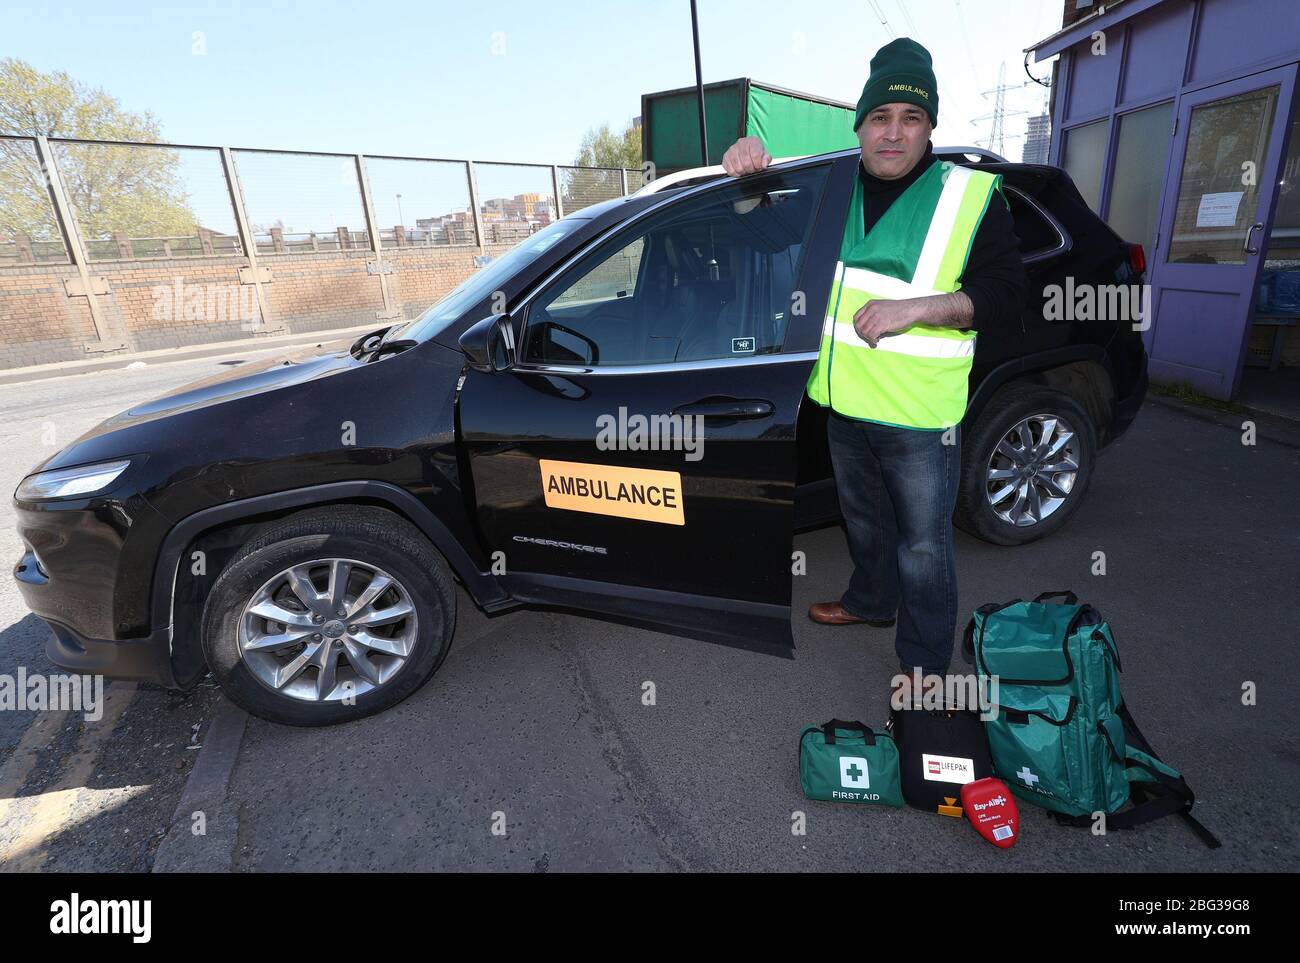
(81,202)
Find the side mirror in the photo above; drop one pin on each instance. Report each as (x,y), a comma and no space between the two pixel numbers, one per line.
(489,345)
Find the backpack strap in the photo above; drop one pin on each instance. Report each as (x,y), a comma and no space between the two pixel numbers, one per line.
(968,635)
(1067,597)
(1174,796)
(1156,790)
(1110,643)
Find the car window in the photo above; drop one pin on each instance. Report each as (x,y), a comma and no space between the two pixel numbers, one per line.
(711,276)
(1037,235)
(613,278)
(484,281)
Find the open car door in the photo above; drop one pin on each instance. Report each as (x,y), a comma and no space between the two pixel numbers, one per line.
(638,456)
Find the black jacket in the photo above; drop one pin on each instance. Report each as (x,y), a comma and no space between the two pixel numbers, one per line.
(994,278)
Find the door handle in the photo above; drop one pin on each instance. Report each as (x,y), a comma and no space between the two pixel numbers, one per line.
(735,409)
(1246,248)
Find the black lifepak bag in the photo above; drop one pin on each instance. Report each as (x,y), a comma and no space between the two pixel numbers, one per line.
(939,751)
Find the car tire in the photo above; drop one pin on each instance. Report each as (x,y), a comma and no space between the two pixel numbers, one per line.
(378,654)
(985,507)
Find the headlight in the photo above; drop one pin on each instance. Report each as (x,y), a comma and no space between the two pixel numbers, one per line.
(67,482)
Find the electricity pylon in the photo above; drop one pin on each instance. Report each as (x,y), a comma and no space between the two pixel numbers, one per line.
(999,108)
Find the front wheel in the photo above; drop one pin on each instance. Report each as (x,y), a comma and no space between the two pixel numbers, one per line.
(1025,465)
(331,615)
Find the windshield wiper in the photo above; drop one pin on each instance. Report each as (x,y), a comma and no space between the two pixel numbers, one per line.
(368,342)
(390,347)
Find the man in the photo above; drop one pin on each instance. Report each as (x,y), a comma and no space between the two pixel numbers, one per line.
(929,257)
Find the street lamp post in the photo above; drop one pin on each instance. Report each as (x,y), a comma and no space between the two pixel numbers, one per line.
(699,86)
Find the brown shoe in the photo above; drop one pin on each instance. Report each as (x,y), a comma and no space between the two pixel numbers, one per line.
(832,613)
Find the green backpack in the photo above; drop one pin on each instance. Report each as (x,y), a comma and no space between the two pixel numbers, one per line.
(1062,737)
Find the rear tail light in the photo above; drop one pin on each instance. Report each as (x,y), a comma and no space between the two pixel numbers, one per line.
(1137,259)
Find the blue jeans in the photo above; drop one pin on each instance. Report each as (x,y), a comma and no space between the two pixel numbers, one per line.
(897,489)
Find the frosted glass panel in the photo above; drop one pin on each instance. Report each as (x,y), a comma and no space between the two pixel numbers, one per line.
(1139,173)
(1085,152)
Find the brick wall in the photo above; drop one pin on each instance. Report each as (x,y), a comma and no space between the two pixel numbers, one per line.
(418,279)
(1072,11)
(38,321)
(186,301)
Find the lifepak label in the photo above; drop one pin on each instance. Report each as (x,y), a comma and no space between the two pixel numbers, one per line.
(642,493)
(947,769)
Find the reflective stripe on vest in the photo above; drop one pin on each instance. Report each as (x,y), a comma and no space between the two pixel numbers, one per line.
(917,377)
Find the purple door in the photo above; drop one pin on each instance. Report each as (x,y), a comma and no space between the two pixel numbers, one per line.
(1228,142)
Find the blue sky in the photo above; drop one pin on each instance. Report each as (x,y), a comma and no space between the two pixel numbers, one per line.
(497,80)
(490,79)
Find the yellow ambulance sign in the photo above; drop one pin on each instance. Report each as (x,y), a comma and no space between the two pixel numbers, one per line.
(641,493)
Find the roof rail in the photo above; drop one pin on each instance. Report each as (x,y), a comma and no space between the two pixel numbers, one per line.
(697,173)
(983,153)
(702,173)
(671,180)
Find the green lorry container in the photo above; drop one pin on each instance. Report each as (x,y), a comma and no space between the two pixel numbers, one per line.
(791,124)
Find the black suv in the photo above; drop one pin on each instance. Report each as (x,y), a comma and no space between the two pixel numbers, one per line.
(609,418)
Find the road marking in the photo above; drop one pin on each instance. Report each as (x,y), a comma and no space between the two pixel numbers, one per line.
(51,812)
(21,762)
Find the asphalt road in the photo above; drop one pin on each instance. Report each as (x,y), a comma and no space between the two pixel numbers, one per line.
(537,721)
(74,794)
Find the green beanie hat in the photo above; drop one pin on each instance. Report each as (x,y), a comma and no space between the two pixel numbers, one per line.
(901,72)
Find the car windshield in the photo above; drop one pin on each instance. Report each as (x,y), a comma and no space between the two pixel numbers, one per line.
(482,283)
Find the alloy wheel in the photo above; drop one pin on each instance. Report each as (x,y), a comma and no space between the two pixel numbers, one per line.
(327,630)
(1032,470)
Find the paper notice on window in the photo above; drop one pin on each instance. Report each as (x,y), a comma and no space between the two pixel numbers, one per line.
(1219,210)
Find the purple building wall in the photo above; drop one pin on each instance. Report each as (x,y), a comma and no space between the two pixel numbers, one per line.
(1175,51)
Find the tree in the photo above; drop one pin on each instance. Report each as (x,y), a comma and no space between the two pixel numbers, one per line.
(137,191)
(601,147)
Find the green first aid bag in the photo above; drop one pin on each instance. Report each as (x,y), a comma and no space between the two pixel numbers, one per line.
(847,762)
(1062,737)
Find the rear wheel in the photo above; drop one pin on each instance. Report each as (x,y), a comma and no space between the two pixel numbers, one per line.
(1025,465)
(331,615)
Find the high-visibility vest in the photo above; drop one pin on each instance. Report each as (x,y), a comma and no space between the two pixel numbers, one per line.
(916,377)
